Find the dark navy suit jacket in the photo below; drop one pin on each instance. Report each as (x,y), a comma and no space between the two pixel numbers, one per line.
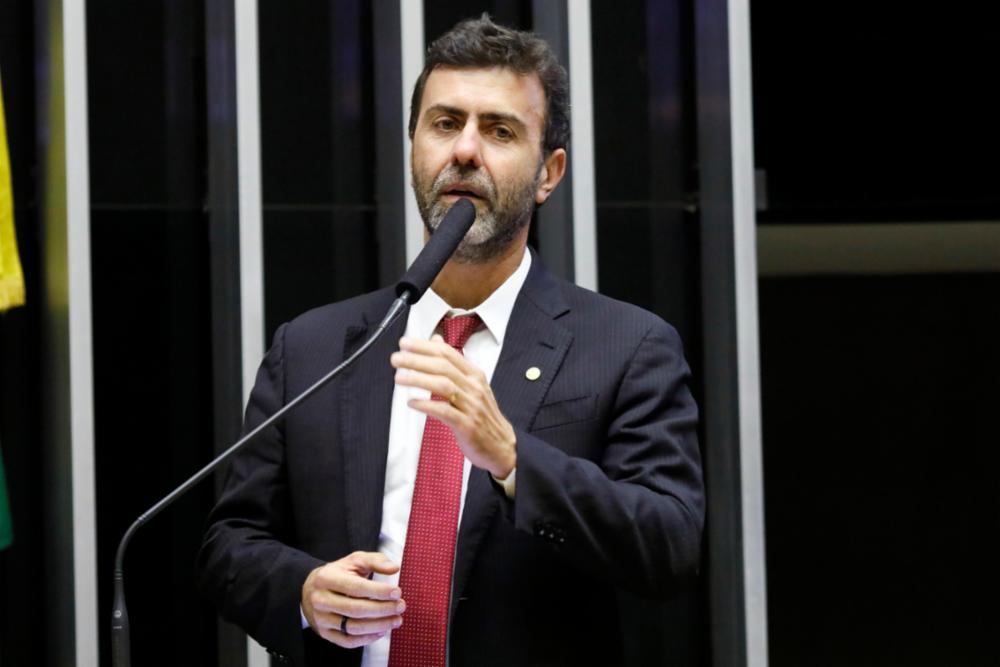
(609,486)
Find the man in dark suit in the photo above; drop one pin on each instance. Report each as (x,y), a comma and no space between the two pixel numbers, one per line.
(556,461)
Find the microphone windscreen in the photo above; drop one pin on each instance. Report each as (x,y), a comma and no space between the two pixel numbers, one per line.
(437,250)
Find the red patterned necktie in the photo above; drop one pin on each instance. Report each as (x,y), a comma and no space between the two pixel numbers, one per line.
(429,553)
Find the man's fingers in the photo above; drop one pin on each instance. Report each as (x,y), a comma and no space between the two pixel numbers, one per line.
(352,631)
(442,411)
(373,561)
(435,384)
(378,626)
(429,365)
(348,641)
(349,576)
(329,601)
(436,347)
(441,377)
(357,586)
(358,626)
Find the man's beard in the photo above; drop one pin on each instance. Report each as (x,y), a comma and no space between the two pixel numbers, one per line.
(496,225)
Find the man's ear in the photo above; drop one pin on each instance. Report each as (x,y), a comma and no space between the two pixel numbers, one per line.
(553,170)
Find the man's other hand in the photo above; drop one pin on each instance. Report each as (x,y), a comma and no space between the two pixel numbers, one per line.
(485,436)
(342,589)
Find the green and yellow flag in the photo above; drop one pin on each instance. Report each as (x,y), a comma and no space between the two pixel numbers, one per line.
(11,288)
(6,526)
(11,277)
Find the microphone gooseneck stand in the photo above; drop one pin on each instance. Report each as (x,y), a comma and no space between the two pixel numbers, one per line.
(410,288)
(119,615)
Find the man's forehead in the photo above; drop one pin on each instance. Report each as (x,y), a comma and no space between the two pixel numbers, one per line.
(498,90)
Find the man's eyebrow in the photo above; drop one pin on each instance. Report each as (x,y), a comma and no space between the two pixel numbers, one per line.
(444,108)
(499,117)
(491,116)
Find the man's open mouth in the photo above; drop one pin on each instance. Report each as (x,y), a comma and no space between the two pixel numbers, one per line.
(462,191)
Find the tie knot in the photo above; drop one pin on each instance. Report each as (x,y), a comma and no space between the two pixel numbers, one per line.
(456,330)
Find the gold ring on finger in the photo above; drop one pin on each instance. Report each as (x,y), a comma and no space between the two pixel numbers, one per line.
(453,399)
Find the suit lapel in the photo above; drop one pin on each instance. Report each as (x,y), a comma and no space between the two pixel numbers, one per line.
(366,401)
(533,339)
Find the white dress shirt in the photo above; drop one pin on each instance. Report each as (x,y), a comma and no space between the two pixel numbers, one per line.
(406,425)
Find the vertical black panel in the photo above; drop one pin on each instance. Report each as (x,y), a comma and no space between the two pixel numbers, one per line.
(224,242)
(644,129)
(553,224)
(223,218)
(877,113)
(318,155)
(152,325)
(391,175)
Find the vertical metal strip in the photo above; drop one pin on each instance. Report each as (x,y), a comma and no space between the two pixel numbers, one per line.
(747,344)
(737,593)
(411,35)
(250,203)
(582,145)
(81,393)
(251,215)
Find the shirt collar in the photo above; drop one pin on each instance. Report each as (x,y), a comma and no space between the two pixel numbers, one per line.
(494,311)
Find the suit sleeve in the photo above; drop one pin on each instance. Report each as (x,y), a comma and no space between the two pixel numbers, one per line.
(636,515)
(245,566)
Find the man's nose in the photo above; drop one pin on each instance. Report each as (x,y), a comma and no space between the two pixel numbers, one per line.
(468,147)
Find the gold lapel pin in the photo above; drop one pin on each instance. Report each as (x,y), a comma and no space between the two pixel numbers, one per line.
(533,373)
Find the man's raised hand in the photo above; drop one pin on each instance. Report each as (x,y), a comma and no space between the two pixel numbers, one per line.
(485,436)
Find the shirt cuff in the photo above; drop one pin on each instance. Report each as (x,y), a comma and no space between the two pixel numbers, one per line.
(507,484)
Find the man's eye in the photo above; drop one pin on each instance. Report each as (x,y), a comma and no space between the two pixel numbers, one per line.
(501,132)
(446,124)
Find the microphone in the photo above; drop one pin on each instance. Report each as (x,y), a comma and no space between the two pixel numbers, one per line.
(437,251)
(409,289)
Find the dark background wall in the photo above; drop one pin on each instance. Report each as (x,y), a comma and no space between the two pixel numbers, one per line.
(879,389)
(317,83)
(876,113)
